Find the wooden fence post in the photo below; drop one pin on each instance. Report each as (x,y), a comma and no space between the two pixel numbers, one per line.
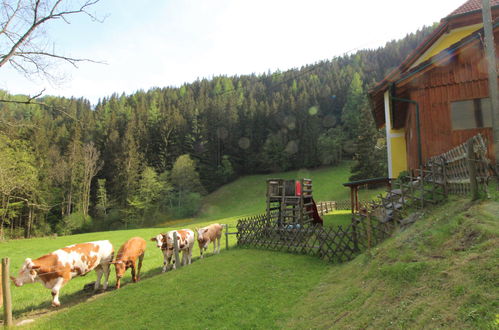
(369,231)
(354,234)
(472,170)
(226,236)
(7,299)
(175,250)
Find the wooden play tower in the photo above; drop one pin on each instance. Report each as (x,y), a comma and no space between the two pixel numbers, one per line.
(290,202)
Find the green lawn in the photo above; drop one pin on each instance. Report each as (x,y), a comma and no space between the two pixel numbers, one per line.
(237,289)
(35,298)
(338,218)
(246,195)
(440,273)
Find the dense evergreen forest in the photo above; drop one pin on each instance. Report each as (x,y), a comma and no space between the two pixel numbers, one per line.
(67,167)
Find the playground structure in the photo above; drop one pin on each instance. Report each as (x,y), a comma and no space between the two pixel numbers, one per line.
(291,203)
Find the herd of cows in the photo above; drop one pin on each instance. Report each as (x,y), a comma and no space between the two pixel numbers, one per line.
(55,269)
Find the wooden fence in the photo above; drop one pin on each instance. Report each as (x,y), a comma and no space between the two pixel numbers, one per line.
(334,244)
(326,207)
(462,167)
(461,170)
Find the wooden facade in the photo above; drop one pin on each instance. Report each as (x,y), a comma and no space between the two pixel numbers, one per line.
(455,73)
(463,76)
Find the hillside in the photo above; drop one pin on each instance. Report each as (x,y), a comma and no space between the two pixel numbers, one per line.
(126,160)
(440,273)
(246,196)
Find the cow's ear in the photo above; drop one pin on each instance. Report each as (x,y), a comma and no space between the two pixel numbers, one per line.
(35,267)
(153,239)
(206,230)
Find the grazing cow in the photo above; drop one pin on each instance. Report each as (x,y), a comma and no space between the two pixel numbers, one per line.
(55,269)
(211,233)
(185,244)
(127,256)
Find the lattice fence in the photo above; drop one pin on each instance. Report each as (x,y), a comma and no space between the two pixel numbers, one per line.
(326,207)
(335,244)
(454,168)
(457,171)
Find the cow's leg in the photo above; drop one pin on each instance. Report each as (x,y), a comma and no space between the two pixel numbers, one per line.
(99,272)
(189,256)
(218,241)
(184,257)
(134,277)
(201,249)
(141,257)
(167,261)
(107,270)
(215,246)
(55,292)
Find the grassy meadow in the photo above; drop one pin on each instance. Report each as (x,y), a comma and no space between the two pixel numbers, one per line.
(442,272)
(246,196)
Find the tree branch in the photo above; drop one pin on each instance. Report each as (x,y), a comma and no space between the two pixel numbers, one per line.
(38,19)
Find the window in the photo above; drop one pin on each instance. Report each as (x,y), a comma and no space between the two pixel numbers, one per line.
(471,114)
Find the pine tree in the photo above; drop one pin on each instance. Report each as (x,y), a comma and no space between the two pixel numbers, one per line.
(370,155)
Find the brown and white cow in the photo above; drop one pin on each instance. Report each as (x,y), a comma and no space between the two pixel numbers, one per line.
(127,256)
(185,245)
(211,233)
(55,269)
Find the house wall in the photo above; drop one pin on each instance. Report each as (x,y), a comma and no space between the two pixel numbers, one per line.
(463,77)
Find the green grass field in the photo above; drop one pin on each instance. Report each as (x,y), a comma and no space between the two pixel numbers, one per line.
(440,273)
(246,196)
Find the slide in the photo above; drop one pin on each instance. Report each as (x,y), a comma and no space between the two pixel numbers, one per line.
(315,214)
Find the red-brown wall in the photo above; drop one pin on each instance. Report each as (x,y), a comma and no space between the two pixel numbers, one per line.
(463,77)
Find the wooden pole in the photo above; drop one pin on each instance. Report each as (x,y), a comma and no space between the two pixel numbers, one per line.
(369,230)
(7,299)
(492,73)
(226,236)
(472,170)
(175,249)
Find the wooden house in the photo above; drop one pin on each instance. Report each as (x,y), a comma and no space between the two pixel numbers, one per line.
(438,97)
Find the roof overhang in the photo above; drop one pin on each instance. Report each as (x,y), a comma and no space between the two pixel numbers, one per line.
(400,76)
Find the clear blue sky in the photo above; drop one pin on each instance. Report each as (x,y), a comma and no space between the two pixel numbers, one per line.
(158,43)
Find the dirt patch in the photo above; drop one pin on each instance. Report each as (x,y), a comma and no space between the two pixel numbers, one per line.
(465,239)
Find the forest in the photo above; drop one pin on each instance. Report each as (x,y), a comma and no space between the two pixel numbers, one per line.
(68,166)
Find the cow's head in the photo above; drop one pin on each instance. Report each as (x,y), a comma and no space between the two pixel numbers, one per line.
(27,274)
(160,239)
(121,268)
(202,239)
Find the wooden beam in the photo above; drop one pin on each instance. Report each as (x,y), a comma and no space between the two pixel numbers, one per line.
(490,51)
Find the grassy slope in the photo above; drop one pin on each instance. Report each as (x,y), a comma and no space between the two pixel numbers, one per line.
(35,298)
(440,273)
(250,193)
(246,196)
(237,289)
(443,272)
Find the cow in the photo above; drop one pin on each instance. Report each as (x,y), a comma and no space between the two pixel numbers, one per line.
(55,269)
(211,233)
(185,244)
(126,258)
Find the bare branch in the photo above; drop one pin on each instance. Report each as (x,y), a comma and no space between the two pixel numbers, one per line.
(32,100)
(25,21)
(70,60)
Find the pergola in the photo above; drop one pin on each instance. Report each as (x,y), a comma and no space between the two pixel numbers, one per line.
(354,190)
